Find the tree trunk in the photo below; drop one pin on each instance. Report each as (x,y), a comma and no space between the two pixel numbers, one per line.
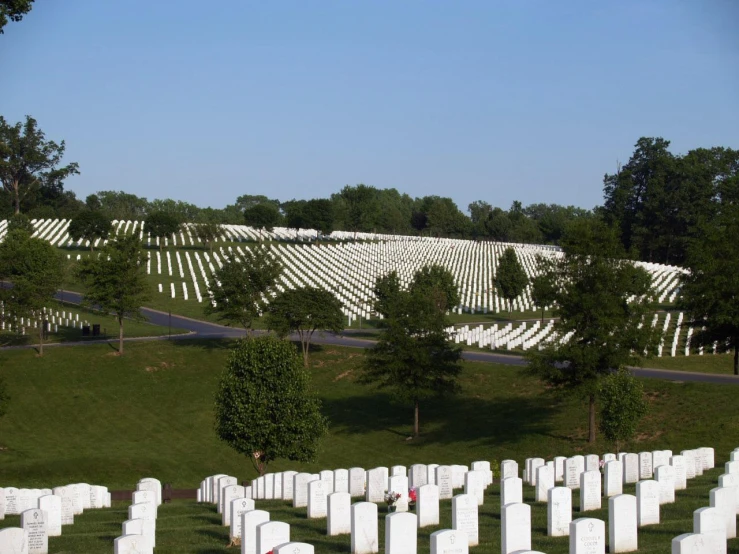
(161,244)
(120,336)
(16,198)
(736,356)
(41,337)
(591,431)
(416,429)
(306,348)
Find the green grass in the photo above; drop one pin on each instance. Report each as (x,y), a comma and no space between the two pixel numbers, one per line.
(708,363)
(86,415)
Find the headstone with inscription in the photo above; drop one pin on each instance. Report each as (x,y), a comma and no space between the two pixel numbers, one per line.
(647,502)
(417,475)
(631,468)
(613,481)
(364,538)
(377,483)
(287,484)
(357,477)
(295,548)
(474,485)
(511,491)
(427,505)
(338,517)
(249,522)
(444,482)
(572,472)
(681,477)
(665,476)
(645,465)
(271,534)
(590,490)
(300,489)
(622,534)
(592,462)
(449,541)
(515,528)
(401,533)
(327,476)
(341,480)
(711,522)
(34,523)
(725,500)
(508,468)
(132,544)
(692,543)
(228,495)
(465,518)
(52,505)
(587,536)
(559,511)
(544,482)
(398,484)
(317,499)
(145,527)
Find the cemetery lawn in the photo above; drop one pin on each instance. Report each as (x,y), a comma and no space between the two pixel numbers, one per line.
(185,526)
(708,363)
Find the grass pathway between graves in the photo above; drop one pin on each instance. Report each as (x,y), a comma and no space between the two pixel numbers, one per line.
(185,526)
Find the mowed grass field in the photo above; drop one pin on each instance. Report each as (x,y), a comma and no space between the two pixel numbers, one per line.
(83,414)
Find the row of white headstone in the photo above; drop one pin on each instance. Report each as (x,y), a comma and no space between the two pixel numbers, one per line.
(138,533)
(44,512)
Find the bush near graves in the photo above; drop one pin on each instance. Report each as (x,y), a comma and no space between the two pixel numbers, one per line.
(115,280)
(510,279)
(264,407)
(21,222)
(304,310)
(413,356)
(602,300)
(622,406)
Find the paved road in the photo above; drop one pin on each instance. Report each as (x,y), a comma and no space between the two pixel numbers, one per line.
(207,330)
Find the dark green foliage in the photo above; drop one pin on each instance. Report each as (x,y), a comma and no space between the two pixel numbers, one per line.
(20,222)
(13,10)
(622,406)
(29,162)
(115,280)
(542,292)
(305,310)
(90,225)
(264,408)
(243,283)
(413,356)
(161,225)
(510,277)
(592,283)
(35,269)
(262,216)
(311,214)
(207,233)
(710,290)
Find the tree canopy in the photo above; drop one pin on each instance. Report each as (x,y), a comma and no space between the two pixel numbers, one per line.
(602,300)
(13,10)
(510,277)
(413,356)
(262,216)
(90,225)
(623,406)
(115,280)
(28,161)
(207,233)
(304,310)
(35,269)
(239,288)
(264,406)
(161,225)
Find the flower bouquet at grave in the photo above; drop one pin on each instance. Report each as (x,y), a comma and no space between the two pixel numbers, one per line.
(412,497)
(391,498)
(602,465)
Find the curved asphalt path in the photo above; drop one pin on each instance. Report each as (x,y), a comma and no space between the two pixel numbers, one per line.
(206,330)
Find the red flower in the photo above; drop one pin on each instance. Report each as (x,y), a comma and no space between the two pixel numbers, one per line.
(412,495)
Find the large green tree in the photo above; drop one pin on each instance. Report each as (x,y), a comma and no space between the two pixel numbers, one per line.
(28,161)
(602,301)
(710,288)
(239,288)
(13,10)
(90,225)
(304,311)
(510,276)
(161,225)
(115,280)
(35,269)
(262,216)
(264,406)
(207,233)
(414,357)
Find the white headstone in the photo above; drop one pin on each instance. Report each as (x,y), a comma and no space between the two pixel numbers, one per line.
(249,522)
(364,538)
(587,536)
(645,465)
(631,468)
(132,544)
(511,491)
(458,472)
(534,464)
(357,477)
(143,510)
(271,534)
(144,527)
(659,458)
(398,470)
(327,476)
(34,523)
(725,500)
(431,473)
(544,482)
(689,463)
(317,499)
(483,466)
(11,501)
(427,505)
(401,533)
(238,507)
(474,485)
(152,484)
(449,541)
(377,483)
(647,503)
(622,527)
(573,468)
(341,480)
(228,495)
(613,482)
(52,505)
(464,517)
(295,548)
(338,521)
(681,477)
(287,484)
(417,475)
(590,490)
(559,511)
(709,457)
(711,522)
(14,540)
(692,543)
(515,528)
(300,489)
(444,482)
(665,476)
(509,468)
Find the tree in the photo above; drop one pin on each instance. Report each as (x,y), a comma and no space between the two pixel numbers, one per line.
(510,277)
(207,233)
(305,310)
(20,222)
(710,289)
(28,161)
(13,10)
(264,407)
(602,301)
(622,406)
(413,356)
(238,288)
(115,280)
(542,292)
(90,225)
(35,269)
(311,214)
(262,216)
(161,225)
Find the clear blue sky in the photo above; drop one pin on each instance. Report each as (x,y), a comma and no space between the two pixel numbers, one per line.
(528,100)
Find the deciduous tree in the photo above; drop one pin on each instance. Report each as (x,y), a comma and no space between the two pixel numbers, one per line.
(90,225)
(238,288)
(264,406)
(13,10)
(29,161)
(622,406)
(510,277)
(115,280)
(161,225)
(602,301)
(207,233)
(305,310)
